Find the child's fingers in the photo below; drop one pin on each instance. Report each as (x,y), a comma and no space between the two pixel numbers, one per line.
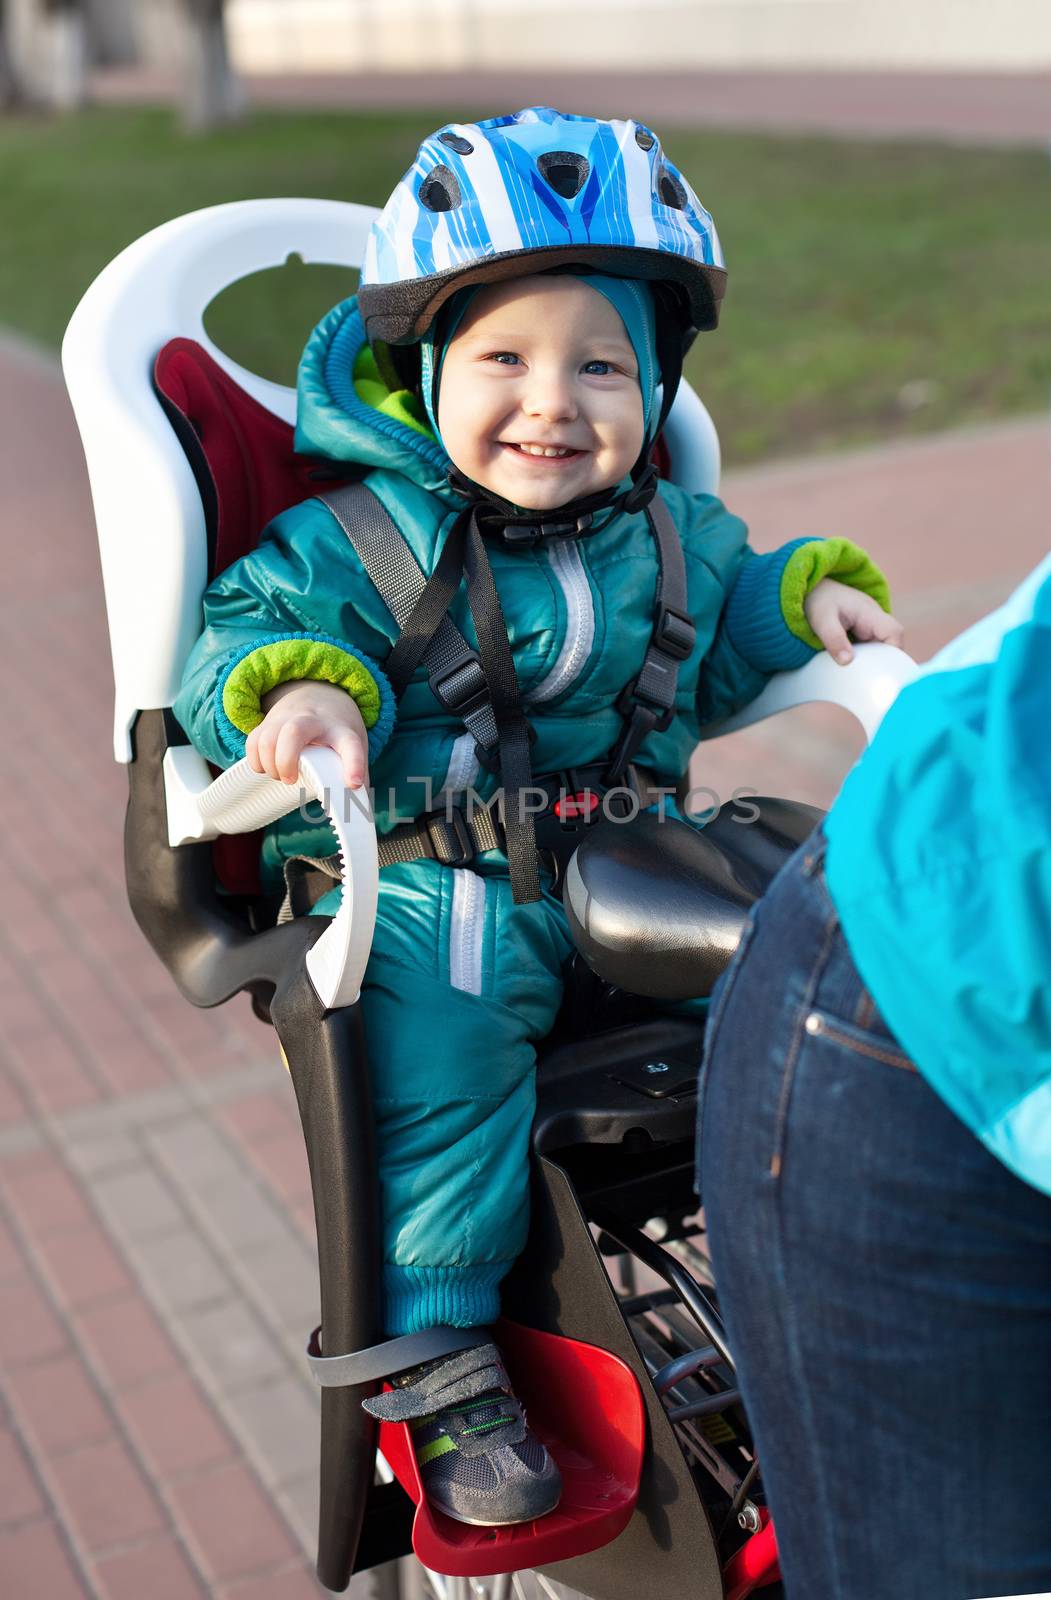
(833,636)
(351,751)
(890,630)
(252,751)
(292,737)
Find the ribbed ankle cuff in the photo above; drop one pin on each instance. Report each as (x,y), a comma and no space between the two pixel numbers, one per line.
(415,1298)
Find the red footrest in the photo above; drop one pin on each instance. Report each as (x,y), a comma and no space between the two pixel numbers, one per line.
(586,1406)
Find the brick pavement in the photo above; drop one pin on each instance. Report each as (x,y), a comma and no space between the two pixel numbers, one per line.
(157,1429)
(1012,108)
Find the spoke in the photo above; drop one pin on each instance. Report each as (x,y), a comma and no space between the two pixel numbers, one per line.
(547,1587)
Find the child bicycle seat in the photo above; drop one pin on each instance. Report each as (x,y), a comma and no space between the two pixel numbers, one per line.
(188,456)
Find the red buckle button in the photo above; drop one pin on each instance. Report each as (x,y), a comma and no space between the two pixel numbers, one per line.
(581,804)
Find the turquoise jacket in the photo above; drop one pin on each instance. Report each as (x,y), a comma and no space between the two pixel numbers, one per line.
(939,862)
(579,613)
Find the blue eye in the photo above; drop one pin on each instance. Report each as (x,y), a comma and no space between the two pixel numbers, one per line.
(505,357)
(589,367)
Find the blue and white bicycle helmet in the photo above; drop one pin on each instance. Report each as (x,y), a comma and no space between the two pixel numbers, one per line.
(565,190)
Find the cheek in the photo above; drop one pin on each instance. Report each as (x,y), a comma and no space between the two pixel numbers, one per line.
(624,430)
(464,423)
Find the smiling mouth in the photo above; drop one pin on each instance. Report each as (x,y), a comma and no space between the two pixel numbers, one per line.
(543,452)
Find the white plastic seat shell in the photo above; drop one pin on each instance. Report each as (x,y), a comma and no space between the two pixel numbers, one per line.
(153,543)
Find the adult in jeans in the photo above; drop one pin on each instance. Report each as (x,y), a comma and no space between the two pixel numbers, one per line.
(875,1147)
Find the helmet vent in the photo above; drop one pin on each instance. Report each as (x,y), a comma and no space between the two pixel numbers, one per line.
(440,191)
(644,139)
(457,142)
(671,190)
(564,171)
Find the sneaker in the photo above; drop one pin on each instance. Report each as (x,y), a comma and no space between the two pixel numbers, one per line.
(479,1462)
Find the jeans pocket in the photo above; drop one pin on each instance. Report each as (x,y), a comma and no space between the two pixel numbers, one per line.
(874,1042)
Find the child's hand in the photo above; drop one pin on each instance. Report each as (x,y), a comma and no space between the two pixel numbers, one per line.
(834,609)
(302,714)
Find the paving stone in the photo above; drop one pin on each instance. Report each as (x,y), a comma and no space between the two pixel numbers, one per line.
(57,1406)
(21,1497)
(82,1266)
(283,1159)
(126,1341)
(300,1498)
(108,1152)
(105,1496)
(51,1074)
(35,1562)
(284,1277)
(290,1583)
(137,1203)
(231,1347)
(230,1525)
(29,1329)
(159,1570)
(43,1194)
(259,1116)
(281,1421)
(175,1426)
(12,1261)
(239,1214)
(192,1151)
(180,1270)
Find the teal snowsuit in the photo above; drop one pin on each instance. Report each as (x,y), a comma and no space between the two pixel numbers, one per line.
(462,983)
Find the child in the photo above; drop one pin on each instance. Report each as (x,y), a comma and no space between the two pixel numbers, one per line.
(515,346)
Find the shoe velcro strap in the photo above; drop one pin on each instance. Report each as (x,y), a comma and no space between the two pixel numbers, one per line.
(457,1378)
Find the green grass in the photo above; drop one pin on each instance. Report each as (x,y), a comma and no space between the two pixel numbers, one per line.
(875,290)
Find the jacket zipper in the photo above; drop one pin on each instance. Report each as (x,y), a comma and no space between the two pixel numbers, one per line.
(466,924)
(568,566)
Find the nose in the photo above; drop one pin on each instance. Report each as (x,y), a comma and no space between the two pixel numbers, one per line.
(550,395)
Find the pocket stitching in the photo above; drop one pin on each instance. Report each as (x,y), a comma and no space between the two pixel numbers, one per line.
(893,1058)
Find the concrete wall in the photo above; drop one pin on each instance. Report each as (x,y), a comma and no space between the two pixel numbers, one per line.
(965,35)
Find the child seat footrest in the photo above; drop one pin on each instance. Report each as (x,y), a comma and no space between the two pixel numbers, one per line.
(393,1355)
(585,1405)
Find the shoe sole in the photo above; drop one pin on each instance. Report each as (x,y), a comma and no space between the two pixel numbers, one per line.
(499,1522)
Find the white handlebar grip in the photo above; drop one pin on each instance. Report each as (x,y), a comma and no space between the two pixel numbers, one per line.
(240,800)
(336,964)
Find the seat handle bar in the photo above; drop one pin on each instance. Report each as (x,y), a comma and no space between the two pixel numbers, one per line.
(240,801)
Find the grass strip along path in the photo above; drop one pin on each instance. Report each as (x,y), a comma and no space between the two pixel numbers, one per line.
(875,289)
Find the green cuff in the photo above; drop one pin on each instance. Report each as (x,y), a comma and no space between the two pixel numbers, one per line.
(281,662)
(826,558)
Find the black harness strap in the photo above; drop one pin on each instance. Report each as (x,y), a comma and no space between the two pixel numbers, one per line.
(648,704)
(428,633)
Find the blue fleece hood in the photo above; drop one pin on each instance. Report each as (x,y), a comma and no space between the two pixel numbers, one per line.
(332,420)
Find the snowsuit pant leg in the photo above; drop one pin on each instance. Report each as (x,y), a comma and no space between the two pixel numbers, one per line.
(460,987)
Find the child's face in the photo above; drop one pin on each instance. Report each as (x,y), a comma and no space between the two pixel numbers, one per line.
(541,362)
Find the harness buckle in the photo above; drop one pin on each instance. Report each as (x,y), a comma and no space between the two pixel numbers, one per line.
(633,703)
(525,534)
(463,689)
(673,632)
(440,823)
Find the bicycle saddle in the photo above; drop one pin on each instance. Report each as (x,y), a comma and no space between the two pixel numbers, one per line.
(657,907)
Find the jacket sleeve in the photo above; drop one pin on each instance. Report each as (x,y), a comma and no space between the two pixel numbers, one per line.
(294,608)
(765,615)
(763,627)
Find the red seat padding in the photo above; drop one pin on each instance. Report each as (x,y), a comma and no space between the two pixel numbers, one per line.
(244,450)
(247,472)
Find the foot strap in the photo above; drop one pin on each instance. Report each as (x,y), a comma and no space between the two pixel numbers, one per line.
(383,1360)
(453,1380)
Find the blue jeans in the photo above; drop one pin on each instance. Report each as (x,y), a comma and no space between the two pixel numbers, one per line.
(886,1282)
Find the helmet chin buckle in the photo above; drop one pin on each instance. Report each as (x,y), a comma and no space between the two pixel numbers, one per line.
(520,534)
